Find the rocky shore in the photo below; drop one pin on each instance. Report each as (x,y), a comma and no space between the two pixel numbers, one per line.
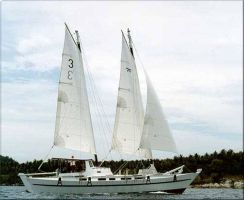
(224,184)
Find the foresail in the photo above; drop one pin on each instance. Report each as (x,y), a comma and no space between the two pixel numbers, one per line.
(73,128)
(156,134)
(129,112)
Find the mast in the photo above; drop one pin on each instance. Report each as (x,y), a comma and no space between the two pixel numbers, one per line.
(129,116)
(77,39)
(130,42)
(79,47)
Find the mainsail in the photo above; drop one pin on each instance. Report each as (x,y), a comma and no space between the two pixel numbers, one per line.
(156,134)
(73,128)
(129,112)
(135,133)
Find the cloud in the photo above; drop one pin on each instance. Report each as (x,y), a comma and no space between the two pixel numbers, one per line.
(28,112)
(191,50)
(199,142)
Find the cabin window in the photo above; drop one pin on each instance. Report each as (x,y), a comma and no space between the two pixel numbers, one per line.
(111,179)
(98,171)
(139,177)
(101,179)
(127,178)
(83,179)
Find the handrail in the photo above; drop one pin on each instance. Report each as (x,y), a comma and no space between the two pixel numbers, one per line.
(178,170)
(45,173)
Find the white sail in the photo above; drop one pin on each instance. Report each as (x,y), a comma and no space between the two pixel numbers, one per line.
(129,113)
(156,134)
(73,128)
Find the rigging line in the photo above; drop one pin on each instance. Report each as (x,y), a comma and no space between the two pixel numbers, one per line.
(137,98)
(121,167)
(133,81)
(105,157)
(57,106)
(45,157)
(93,87)
(98,111)
(144,70)
(107,125)
(143,166)
(97,98)
(139,58)
(80,95)
(94,98)
(102,109)
(102,124)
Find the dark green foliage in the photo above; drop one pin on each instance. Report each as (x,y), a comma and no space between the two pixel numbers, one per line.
(214,166)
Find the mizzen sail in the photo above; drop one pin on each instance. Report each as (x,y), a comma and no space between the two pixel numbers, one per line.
(156,134)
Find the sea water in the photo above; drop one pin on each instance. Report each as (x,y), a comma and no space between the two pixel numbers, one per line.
(18,192)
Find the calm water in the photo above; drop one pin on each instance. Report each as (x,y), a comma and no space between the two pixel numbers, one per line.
(18,192)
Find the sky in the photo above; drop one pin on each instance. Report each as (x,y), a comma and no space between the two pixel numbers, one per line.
(192,52)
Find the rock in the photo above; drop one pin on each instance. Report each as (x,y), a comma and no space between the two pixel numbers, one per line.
(238,185)
(205,186)
(227,184)
(216,185)
(211,185)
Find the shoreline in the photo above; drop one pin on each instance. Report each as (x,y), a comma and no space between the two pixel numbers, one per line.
(237,184)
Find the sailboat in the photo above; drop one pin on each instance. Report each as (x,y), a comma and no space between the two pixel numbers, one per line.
(135,132)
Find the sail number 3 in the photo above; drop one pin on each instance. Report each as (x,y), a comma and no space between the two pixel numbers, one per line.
(70,72)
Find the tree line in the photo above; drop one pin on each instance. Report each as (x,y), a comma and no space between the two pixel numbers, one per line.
(215,166)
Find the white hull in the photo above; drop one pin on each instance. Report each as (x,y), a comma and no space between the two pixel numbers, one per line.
(73,184)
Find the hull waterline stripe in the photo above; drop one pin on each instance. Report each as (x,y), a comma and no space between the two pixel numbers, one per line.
(112,185)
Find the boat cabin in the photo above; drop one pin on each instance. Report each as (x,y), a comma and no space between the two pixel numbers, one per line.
(85,167)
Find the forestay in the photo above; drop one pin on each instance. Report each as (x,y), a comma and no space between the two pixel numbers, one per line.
(129,112)
(156,134)
(73,128)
